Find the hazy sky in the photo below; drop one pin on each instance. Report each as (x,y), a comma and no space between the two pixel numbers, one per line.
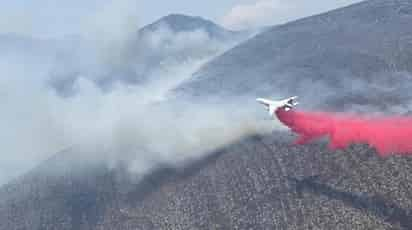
(48,18)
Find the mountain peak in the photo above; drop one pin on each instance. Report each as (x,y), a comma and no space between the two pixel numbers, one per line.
(184,23)
(173,17)
(181,23)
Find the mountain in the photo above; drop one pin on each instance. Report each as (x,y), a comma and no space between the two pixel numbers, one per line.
(355,56)
(261,182)
(258,183)
(177,39)
(159,51)
(179,23)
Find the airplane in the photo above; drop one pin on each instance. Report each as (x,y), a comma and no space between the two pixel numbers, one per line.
(287,104)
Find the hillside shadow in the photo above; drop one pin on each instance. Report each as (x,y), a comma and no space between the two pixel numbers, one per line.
(374,204)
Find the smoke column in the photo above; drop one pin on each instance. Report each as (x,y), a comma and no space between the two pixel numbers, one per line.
(388,135)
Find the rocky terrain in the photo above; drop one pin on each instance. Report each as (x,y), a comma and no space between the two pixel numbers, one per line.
(258,183)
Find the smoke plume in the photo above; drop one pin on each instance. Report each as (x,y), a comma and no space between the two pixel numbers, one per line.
(82,92)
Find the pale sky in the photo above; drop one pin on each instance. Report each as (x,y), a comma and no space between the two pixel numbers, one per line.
(51,18)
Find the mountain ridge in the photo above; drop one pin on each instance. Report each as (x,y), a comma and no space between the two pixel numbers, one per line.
(348,53)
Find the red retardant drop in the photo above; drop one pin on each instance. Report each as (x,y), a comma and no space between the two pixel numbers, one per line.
(389,135)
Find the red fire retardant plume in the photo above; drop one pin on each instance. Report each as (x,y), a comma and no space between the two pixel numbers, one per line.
(389,135)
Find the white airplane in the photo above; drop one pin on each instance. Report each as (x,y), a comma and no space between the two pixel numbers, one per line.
(272,106)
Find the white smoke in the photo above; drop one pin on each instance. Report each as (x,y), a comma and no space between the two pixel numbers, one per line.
(127,122)
(126,127)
